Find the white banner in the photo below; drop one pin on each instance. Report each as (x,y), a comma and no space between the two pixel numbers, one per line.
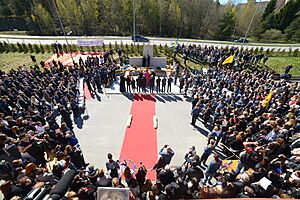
(90,42)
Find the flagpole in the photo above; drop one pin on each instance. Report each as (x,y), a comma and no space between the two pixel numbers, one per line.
(63,30)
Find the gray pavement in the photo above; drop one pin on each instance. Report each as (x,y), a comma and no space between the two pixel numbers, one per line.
(104,131)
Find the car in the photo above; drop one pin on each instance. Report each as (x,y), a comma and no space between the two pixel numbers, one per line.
(139,38)
(241,40)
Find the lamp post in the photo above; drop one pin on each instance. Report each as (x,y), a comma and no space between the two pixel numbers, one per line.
(62,28)
(133,21)
(249,26)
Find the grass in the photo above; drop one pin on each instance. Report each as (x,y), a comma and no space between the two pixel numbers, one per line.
(14,60)
(279,63)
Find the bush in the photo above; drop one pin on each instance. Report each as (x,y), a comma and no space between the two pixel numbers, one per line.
(109,46)
(296,52)
(155,50)
(13,47)
(272,34)
(30,48)
(74,48)
(261,50)
(19,47)
(268,52)
(42,49)
(251,50)
(65,48)
(6,47)
(290,51)
(36,49)
(25,48)
(116,45)
(81,49)
(255,51)
(2,49)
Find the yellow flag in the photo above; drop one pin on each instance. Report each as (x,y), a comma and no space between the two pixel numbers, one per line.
(228,60)
(266,101)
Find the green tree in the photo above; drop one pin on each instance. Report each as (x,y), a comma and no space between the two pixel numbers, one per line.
(72,16)
(25,48)
(43,18)
(30,48)
(42,49)
(36,49)
(288,13)
(19,47)
(272,35)
(269,9)
(292,32)
(227,23)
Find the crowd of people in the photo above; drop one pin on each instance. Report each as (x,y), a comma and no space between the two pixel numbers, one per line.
(256,120)
(252,117)
(38,108)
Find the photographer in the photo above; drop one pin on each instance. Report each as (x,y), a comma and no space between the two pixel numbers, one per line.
(167,153)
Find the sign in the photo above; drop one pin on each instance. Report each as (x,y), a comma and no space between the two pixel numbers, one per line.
(90,42)
(109,193)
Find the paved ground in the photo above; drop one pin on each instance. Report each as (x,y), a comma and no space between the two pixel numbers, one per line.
(104,131)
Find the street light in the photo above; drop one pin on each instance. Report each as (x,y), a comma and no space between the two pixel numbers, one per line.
(62,28)
(249,26)
(133,22)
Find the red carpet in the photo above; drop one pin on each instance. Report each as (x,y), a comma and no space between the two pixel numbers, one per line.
(140,141)
(87,93)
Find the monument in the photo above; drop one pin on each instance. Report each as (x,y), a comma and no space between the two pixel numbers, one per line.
(148,55)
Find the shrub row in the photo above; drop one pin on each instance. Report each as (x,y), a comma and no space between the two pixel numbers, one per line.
(128,50)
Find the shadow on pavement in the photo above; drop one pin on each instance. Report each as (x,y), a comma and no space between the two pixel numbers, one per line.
(201,130)
(129,96)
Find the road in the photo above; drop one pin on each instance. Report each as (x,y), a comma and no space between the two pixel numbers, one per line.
(127,40)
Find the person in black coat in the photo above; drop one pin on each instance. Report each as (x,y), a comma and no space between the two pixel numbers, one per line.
(163,84)
(122,83)
(158,80)
(152,83)
(143,84)
(128,84)
(133,84)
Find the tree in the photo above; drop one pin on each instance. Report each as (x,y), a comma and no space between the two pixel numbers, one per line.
(269,9)
(43,18)
(292,32)
(288,13)
(72,16)
(227,23)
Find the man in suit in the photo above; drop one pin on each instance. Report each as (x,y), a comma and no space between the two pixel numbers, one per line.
(163,84)
(158,85)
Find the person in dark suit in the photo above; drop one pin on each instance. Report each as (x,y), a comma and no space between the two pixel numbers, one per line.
(128,83)
(152,83)
(133,84)
(170,80)
(122,83)
(143,83)
(158,80)
(163,84)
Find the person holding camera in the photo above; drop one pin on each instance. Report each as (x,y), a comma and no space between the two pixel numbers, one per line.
(167,153)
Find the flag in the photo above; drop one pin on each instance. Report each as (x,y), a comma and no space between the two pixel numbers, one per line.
(266,101)
(228,60)
(174,44)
